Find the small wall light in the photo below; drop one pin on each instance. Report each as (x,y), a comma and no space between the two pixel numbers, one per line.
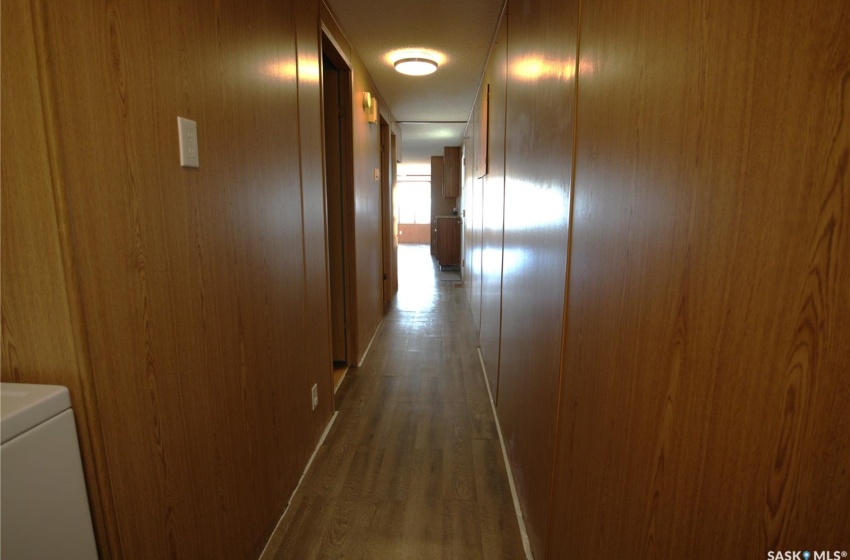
(415,66)
(367,101)
(372,111)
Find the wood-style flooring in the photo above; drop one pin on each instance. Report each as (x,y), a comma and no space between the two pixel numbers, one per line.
(412,468)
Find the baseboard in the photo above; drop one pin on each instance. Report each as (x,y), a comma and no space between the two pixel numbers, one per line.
(526,544)
(369,347)
(300,480)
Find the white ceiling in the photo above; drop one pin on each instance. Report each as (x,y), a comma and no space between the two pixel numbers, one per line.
(432,110)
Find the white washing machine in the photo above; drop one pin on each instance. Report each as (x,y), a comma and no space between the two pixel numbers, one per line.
(44,508)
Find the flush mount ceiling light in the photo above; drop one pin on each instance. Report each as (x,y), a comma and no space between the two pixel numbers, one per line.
(415,60)
(418,66)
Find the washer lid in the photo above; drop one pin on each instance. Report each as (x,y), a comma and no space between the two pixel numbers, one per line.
(24,406)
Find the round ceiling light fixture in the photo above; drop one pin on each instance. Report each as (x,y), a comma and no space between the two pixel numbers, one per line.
(417,66)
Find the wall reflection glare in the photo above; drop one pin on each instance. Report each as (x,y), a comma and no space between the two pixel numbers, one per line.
(285,69)
(529,206)
(536,68)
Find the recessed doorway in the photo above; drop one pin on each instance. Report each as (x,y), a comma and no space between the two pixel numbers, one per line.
(336,106)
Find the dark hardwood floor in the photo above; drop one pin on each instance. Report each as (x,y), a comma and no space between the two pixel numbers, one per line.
(412,468)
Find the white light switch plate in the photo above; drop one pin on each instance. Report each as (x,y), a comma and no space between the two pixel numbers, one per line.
(188,131)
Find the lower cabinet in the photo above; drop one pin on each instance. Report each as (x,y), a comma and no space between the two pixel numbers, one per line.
(447,241)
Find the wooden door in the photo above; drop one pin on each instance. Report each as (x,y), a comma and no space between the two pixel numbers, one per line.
(331,86)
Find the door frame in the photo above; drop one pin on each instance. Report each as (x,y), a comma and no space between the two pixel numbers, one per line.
(387,179)
(330,48)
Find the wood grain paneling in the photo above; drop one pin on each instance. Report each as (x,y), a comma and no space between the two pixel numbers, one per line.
(706,382)
(186,276)
(316,302)
(43,333)
(539,120)
(367,213)
(482,123)
(191,282)
(464,203)
(493,212)
(474,220)
(473,202)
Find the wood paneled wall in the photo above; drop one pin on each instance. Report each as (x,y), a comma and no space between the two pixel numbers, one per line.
(43,328)
(367,214)
(493,212)
(316,301)
(707,355)
(539,120)
(186,309)
(191,282)
(464,205)
(472,194)
(675,336)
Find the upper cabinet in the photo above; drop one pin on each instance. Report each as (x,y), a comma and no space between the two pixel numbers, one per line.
(451,172)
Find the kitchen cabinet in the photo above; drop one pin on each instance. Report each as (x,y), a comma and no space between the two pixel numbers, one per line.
(447,245)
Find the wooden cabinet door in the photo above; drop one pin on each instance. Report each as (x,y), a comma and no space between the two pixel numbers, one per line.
(448,241)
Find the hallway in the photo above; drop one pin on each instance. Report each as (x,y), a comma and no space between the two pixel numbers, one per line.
(654,249)
(412,467)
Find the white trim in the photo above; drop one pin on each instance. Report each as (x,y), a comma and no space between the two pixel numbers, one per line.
(526,544)
(369,347)
(300,480)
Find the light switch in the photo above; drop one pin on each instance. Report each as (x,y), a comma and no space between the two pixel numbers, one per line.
(376,173)
(188,133)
